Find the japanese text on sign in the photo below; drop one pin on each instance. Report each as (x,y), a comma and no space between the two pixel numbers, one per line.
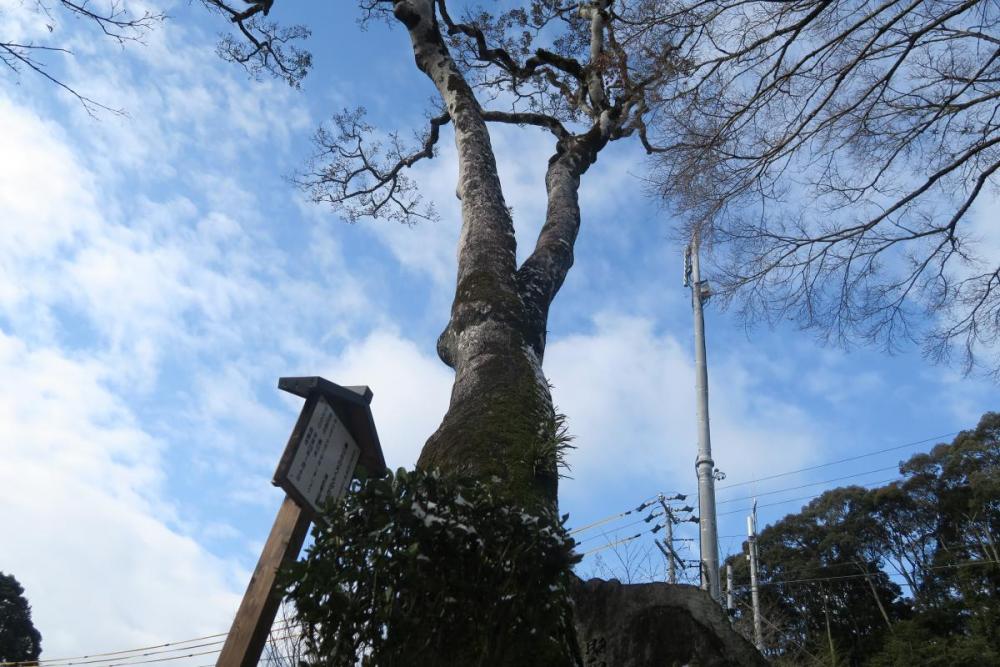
(324,461)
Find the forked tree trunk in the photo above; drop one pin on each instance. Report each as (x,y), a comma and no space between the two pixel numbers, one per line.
(500,421)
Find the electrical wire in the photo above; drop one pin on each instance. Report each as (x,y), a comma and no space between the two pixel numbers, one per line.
(803,486)
(612,544)
(98,655)
(794,488)
(647,502)
(124,655)
(792,500)
(647,519)
(141,652)
(833,463)
(857,576)
(175,657)
(600,522)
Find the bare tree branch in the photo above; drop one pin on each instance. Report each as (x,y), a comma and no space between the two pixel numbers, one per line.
(363,176)
(112,18)
(839,148)
(263,46)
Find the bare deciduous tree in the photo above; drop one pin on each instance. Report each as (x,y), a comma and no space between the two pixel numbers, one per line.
(838,148)
(579,71)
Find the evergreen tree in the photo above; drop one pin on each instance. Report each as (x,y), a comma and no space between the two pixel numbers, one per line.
(826,590)
(19,640)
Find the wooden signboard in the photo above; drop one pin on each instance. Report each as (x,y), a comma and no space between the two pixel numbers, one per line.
(333,434)
(319,464)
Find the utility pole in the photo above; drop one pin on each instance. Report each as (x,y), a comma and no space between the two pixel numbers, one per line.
(671,570)
(754,593)
(729,586)
(704,465)
(669,523)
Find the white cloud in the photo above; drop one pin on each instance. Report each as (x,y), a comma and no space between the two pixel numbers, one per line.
(411,391)
(88,527)
(629,395)
(106,286)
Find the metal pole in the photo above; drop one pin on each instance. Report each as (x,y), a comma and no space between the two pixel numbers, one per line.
(754,593)
(704,465)
(729,586)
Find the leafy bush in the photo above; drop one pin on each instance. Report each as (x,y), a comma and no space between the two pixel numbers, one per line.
(419,569)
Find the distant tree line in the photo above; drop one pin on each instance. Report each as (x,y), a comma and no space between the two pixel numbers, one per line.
(903,574)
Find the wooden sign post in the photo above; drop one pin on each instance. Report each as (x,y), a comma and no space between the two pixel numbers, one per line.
(334,433)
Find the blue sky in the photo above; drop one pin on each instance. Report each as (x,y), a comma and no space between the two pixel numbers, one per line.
(158,273)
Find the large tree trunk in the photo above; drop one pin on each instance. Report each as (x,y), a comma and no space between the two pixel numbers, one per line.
(500,421)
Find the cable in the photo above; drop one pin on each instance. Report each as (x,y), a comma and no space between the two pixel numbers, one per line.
(612,544)
(643,505)
(176,657)
(833,463)
(143,651)
(792,500)
(647,519)
(803,486)
(793,488)
(128,655)
(856,576)
(97,655)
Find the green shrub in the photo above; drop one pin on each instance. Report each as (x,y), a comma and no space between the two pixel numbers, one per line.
(419,569)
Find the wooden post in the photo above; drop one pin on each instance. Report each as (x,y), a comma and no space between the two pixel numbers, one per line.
(253,621)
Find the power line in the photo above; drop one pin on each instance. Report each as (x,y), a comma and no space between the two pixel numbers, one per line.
(857,576)
(655,529)
(803,486)
(612,544)
(124,655)
(98,655)
(175,657)
(648,501)
(141,652)
(599,522)
(846,460)
(652,515)
(792,500)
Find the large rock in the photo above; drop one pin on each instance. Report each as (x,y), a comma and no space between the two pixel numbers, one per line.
(656,625)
